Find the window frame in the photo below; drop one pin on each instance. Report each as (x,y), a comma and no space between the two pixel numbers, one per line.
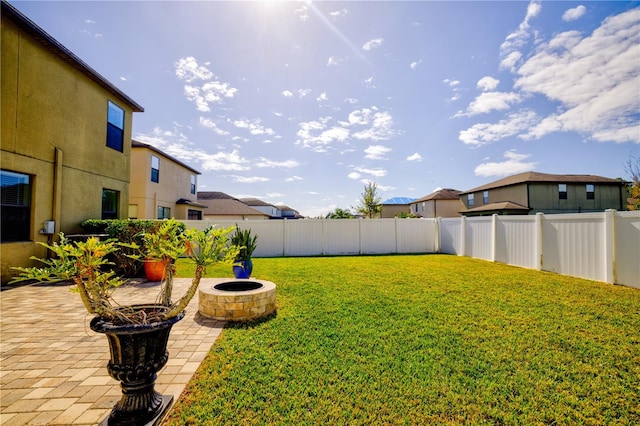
(562,191)
(471,200)
(166,213)
(485,197)
(20,228)
(115,126)
(193,184)
(591,195)
(194,214)
(110,212)
(155,171)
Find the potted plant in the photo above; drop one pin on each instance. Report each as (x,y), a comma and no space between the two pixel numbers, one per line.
(243,265)
(159,249)
(137,334)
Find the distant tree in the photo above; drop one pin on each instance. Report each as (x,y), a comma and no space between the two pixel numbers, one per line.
(405,215)
(339,213)
(371,202)
(632,167)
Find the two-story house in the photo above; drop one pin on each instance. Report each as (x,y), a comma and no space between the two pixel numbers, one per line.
(533,192)
(441,203)
(65,141)
(162,187)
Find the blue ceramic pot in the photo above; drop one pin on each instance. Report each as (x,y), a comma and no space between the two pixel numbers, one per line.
(243,269)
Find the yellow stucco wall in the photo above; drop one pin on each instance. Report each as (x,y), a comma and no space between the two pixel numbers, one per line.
(174,184)
(54,122)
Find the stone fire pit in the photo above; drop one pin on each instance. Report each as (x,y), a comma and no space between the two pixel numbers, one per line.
(231,299)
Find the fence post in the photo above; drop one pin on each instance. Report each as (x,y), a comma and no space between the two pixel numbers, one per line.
(436,236)
(609,246)
(463,236)
(494,236)
(539,240)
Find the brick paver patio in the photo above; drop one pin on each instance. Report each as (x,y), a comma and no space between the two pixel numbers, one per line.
(53,366)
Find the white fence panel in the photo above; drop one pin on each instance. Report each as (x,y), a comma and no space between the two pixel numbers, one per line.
(302,238)
(450,235)
(480,237)
(516,241)
(627,249)
(573,244)
(341,236)
(415,236)
(377,236)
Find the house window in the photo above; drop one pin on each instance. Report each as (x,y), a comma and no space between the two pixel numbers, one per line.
(423,204)
(164,213)
(485,197)
(194,214)
(155,169)
(110,203)
(193,184)
(471,200)
(562,191)
(416,208)
(115,127)
(15,205)
(591,195)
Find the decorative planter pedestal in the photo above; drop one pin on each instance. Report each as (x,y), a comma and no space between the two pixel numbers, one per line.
(138,352)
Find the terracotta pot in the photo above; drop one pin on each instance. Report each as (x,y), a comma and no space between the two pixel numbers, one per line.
(154,270)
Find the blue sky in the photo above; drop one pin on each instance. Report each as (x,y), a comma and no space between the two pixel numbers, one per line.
(303,103)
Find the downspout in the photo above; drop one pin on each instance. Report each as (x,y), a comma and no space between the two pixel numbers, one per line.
(56,202)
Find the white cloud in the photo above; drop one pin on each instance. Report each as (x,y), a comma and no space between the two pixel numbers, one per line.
(380,124)
(302,12)
(187,69)
(206,122)
(487,83)
(595,79)
(287,93)
(303,92)
(339,13)
(415,64)
(492,101)
(372,44)
(254,126)
(451,82)
(351,101)
(354,175)
(368,83)
(573,14)
(377,152)
(414,157)
(509,50)
(372,172)
(323,97)
(293,179)
(248,179)
(335,61)
(483,133)
(512,165)
(317,135)
(265,163)
(223,161)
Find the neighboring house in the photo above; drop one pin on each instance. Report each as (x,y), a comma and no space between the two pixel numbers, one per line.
(222,206)
(396,206)
(442,203)
(533,192)
(287,212)
(266,208)
(66,141)
(161,186)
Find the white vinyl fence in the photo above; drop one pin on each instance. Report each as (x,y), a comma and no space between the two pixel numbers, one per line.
(597,246)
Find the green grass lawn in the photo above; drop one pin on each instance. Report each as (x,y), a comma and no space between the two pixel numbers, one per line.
(422,339)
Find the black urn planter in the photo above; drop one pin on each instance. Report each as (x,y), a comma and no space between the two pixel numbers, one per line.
(138,352)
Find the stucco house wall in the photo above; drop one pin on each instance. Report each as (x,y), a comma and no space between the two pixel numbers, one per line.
(174,184)
(54,129)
